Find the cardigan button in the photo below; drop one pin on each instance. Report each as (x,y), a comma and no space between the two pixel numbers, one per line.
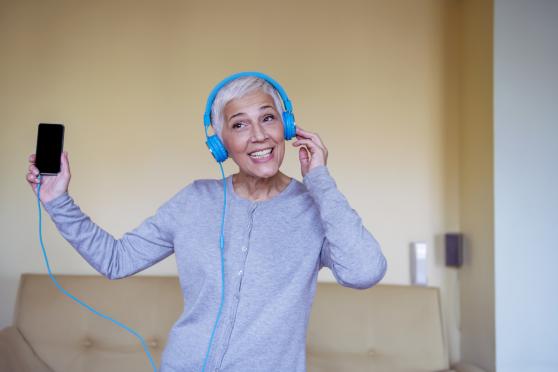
(87,343)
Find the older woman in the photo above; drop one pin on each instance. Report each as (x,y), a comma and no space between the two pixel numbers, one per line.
(279,232)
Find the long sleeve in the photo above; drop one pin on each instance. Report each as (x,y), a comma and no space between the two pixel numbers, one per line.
(147,244)
(349,250)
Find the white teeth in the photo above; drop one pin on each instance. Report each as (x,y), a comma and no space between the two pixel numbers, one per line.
(260,154)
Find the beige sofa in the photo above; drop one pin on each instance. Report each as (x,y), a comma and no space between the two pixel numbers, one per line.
(386,328)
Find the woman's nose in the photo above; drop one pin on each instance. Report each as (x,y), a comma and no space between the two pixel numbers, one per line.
(258,132)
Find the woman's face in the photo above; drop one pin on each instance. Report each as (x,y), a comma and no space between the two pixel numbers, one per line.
(252,128)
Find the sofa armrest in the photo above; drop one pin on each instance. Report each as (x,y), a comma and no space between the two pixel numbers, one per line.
(466,367)
(16,355)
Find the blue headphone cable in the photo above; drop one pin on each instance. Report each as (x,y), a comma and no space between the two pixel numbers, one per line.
(222,248)
(222,244)
(78,300)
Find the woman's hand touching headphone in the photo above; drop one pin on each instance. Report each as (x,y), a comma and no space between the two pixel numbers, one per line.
(314,152)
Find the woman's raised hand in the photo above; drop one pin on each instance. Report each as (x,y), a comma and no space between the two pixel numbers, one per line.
(51,186)
(313,154)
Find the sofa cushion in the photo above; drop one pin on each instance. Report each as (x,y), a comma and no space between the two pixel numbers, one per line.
(385,328)
(69,337)
(17,355)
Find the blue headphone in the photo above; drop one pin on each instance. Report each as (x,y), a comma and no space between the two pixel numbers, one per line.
(213,142)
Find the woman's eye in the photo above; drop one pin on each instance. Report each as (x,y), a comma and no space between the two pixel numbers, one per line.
(269,117)
(237,125)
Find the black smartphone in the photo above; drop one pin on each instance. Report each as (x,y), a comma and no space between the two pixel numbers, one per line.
(50,143)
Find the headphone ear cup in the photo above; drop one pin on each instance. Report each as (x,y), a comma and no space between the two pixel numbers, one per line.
(289,125)
(217,148)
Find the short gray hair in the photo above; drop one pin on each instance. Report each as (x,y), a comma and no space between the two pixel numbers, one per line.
(238,88)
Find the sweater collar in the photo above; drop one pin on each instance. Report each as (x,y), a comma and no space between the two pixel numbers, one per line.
(247,202)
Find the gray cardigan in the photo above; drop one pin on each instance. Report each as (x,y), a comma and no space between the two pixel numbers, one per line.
(273,252)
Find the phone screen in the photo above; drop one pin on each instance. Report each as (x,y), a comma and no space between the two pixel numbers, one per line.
(50,142)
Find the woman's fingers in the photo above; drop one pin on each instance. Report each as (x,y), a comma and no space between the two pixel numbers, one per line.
(31,178)
(301,133)
(33,172)
(313,147)
(305,133)
(311,142)
(64,160)
(314,153)
(33,169)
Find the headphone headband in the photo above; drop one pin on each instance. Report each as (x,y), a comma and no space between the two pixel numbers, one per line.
(213,94)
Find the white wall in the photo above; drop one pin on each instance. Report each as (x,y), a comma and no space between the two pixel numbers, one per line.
(526,184)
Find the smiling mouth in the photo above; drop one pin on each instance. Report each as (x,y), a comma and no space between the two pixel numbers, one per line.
(261,154)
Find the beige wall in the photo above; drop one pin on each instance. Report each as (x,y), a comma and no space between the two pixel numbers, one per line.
(376,79)
(476,184)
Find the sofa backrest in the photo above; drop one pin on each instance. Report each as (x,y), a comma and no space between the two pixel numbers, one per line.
(385,328)
(390,328)
(68,337)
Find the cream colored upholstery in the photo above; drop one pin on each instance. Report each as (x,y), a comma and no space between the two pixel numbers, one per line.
(68,337)
(386,328)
